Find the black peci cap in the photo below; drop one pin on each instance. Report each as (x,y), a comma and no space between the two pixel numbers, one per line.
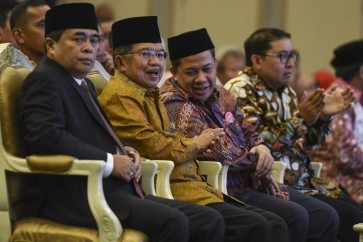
(135,30)
(71,16)
(189,43)
(348,54)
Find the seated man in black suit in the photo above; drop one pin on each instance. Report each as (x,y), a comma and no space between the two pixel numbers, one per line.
(61,115)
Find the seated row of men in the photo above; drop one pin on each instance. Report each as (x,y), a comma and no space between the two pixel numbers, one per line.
(188,118)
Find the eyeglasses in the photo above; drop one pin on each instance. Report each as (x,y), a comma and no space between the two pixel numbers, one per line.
(147,54)
(285,56)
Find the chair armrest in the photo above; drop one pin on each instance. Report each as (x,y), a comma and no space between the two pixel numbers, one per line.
(60,163)
(211,170)
(222,179)
(109,227)
(148,173)
(279,171)
(359,228)
(316,166)
(165,167)
(216,174)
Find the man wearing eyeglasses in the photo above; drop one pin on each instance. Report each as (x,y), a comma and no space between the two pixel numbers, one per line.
(292,129)
(131,101)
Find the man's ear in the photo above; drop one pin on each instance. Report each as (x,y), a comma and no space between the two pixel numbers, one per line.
(1,34)
(18,35)
(172,71)
(49,45)
(360,73)
(256,60)
(120,63)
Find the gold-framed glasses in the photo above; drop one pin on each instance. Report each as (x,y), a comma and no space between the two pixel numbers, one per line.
(147,54)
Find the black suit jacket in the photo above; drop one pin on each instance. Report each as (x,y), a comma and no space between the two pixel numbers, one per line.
(59,118)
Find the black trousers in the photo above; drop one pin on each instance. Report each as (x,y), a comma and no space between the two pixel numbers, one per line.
(165,220)
(350,213)
(250,224)
(307,218)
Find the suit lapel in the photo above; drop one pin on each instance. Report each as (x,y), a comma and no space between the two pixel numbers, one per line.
(86,100)
(82,93)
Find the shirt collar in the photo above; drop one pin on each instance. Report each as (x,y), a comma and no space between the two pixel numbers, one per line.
(79,81)
(259,84)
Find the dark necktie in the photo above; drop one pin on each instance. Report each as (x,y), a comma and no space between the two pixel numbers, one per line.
(112,133)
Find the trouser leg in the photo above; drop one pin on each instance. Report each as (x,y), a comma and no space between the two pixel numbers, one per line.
(159,222)
(243,223)
(295,216)
(205,224)
(277,224)
(349,214)
(323,219)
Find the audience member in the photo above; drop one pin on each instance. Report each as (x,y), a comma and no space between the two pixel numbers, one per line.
(131,101)
(104,12)
(230,62)
(106,27)
(27,26)
(195,103)
(342,151)
(105,17)
(61,115)
(51,3)
(292,128)
(103,56)
(5,32)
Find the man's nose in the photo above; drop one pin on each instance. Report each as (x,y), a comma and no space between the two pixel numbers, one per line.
(201,76)
(290,62)
(89,46)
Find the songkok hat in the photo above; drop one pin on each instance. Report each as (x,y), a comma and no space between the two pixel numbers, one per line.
(348,54)
(135,30)
(189,43)
(71,16)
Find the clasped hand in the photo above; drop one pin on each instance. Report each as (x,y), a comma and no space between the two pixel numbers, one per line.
(127,167)
(261,178)
(264,183)
(207,139)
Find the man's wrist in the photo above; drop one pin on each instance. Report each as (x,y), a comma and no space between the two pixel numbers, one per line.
(267,145)
(325,119)
(109,166)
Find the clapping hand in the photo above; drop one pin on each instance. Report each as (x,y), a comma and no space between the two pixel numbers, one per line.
(336,100)
(311,106)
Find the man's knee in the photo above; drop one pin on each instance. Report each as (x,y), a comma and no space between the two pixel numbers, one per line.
(211,225)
